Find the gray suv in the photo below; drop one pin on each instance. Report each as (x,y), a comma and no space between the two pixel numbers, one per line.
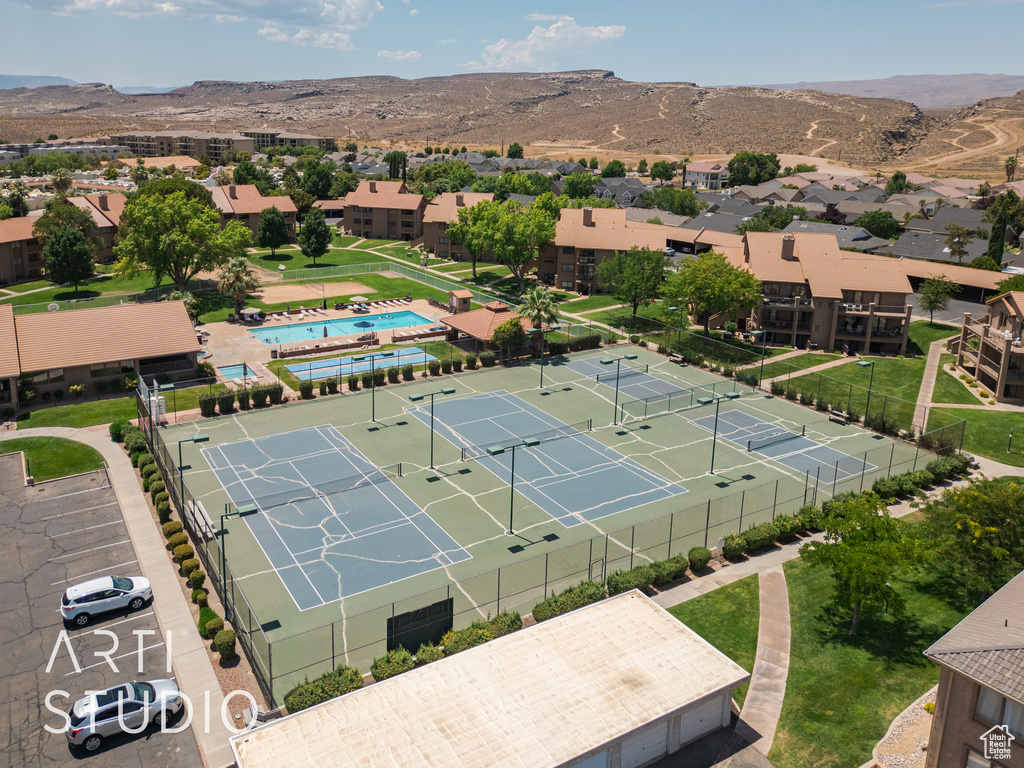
(96,717)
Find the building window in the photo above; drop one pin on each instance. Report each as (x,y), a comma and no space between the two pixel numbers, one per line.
(568,249)
(568,267)
(974,760)
(443,240)
(549,260)
(990,704)
(567,284)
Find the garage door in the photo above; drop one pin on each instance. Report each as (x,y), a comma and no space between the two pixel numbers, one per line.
(701,719)
(600,760)
(647,745)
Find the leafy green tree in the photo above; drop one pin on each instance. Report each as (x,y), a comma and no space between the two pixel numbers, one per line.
(518,235)
(655,220)
(1015,283)
(957,241)
(539,307)
(6,211)
(986,263)
(996,240)
(751,168)
(201,172)
(898,184)
(248,173)
(237,279)
(350,146)
(303,202)
(1010,166)
(681,202)
(61,181)
(864,548)
(138,174)
(641,167)
(396,162)
(68,256)
(509,336)
(272,231)
(936,293)
(193,304)
(515,151)
(315,235)
(662,170)
(290,179)
(802,168)
(317,179)
(711,286)
(616,169)
(771,218)
(879,223)
(173,236)
(473,229)
(577,185)
(59,214)
(634,277)
(1010,207)
(344,182)
(512,182)
(975,538)
(17,197)
(110,172)
(593,164)
(438,178)
(192,190)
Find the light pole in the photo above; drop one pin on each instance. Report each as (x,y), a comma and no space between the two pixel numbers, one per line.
(764,339)
(417,397)
(542,331)
(182,468)
(497,450)
(1009,446)
(243,511)
(618,368)
(373,384)
(871,381)
(679,337)
(714,440)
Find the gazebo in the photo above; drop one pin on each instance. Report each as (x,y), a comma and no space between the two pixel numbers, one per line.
(480,323)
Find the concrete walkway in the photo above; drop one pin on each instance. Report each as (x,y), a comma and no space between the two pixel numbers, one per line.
(931,369)
(815,369)
(191,663)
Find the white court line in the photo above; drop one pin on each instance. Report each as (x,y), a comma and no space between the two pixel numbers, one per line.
(115,658)
(83,530)
(85,551)
(90,573)
(79,511)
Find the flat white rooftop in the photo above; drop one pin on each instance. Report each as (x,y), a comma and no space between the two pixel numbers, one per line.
(534,698)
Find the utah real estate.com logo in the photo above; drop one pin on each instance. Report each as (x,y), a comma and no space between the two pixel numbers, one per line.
(997,742)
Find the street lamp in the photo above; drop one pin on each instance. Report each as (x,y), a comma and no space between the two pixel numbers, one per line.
(182,468)
(871,381)
(417,398)
(373,384)
(618,368)
(243,511)
(679,338)
(497,450)
(717,399)
(542,331)
(764,340)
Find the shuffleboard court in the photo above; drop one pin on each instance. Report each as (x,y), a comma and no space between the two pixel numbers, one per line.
(781,444)
(331,523)
(315,370)
(571,476)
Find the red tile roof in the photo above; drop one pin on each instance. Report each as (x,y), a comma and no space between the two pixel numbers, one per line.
(9,365)
(481,323)
(387,194)
(247,199)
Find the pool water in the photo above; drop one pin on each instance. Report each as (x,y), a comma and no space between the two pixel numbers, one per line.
(310,330)
(344,366)
(236,371)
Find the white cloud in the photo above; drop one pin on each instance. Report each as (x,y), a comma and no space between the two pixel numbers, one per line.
(414,12)
(400,55)
(541,17)
(449,41)
(534,52)
(318,23)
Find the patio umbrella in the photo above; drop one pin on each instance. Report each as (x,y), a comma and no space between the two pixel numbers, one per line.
(365,324)
(357,299)
(325,331)
(251,311)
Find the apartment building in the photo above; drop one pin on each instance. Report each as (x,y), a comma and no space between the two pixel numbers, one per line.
(442,210)
(267,138)
(992,346)
(244,203)
(384,210)
(21,255)
(198,144)
(106,210)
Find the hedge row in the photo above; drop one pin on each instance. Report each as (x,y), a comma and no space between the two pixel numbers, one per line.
(328,686)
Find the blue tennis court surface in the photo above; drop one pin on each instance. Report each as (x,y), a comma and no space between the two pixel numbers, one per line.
(357,532)
(633,383)
(572,477)
(344,366)
(794,450)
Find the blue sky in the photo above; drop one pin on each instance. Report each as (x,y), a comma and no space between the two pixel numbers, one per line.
(175,42)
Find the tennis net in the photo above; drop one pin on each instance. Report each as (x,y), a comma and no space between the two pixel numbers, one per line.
(624,373)
(568,430)
(778,437)
(328,488)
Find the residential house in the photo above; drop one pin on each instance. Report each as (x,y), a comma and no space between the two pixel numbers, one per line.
(384,210)
(721,204)
(932,247)
(442,210)
(21,255)
(981,686)
(49,351)
(946,215)
(626,192)
(706,175)
(991,345)
(243,202)
(846,236)
(719,222)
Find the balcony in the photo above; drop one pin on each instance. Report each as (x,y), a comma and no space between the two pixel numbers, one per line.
(849,308)
(786,302)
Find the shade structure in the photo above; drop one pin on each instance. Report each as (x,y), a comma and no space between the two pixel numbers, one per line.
(359,298)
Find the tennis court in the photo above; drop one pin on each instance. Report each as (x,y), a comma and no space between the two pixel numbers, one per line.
(569,475)
(634,380)
(330,522)
(792,449)
(345,366)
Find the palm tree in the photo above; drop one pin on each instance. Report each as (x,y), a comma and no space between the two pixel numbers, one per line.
(539,307)
(237,278)
(686,162)
(1010,164)
(17,192)
(60,180)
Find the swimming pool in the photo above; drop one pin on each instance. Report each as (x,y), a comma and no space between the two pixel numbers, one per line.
(344,366)
(308,331)
(237,371)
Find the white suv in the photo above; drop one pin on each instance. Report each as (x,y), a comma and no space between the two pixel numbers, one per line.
(130,706)
(111,593)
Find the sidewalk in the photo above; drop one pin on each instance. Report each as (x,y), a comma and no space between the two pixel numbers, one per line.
(931,369)
(191,663)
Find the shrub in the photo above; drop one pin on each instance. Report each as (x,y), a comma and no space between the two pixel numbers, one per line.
(428,653)
(456,640)
(117,430)
(699,558)
(259,396)
(557,348)
(788,527)
(196,579)
(322,387)
(434,366)
(161,497)
(77,390)
(367,379)
(188,566)
(200,598)
(214,627)
(225,642)
(136,456)
(806,398)
(791,394)
(929,707)
(149,470)
(505,623)
(135,442)
(457,365)
(226,402)
(778,388)
(205,616)
(580,343)
(244,400)
(835,506)
(923,478)
(329,685)
(733,546)
(487,359)
(446,366)
(471,362)
(207,404)
(669,570)
(172,528)
(46,396)
(145,484)
(353,382)
(183,553)
(407,372)
(332,386)
(145,460)
(205,370)
(640,577)
(163,511)
(392,663)
(156,486)
(821,405)
(8,413)
(810,516)
(379,376)
(747,377)
(58,394)
(761,536)
(584,593)
(393,374)
(176,540)
(276,393)
(306,390)
(852,415)
(101,387)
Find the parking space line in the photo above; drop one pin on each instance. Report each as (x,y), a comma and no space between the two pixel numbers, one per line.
(90,573)
(78,511)
(76,493)
(83,530)
(115,658)
(86,551)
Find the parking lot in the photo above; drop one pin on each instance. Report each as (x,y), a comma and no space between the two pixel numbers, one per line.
(53,535)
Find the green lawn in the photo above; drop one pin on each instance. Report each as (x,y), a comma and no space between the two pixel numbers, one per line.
(344,241)
(987,432)
(796,363)
(461,266)
(187,398)
(398,252)
(591,303)
(922,334)
(622,317)
(949,388)
(30,285)
(489,275)
(85,414)
(727,618)
(376,243)
(295,260)
(52,457)
(843,691)
(96,286)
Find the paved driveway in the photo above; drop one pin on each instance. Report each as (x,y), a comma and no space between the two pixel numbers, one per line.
(51,535)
